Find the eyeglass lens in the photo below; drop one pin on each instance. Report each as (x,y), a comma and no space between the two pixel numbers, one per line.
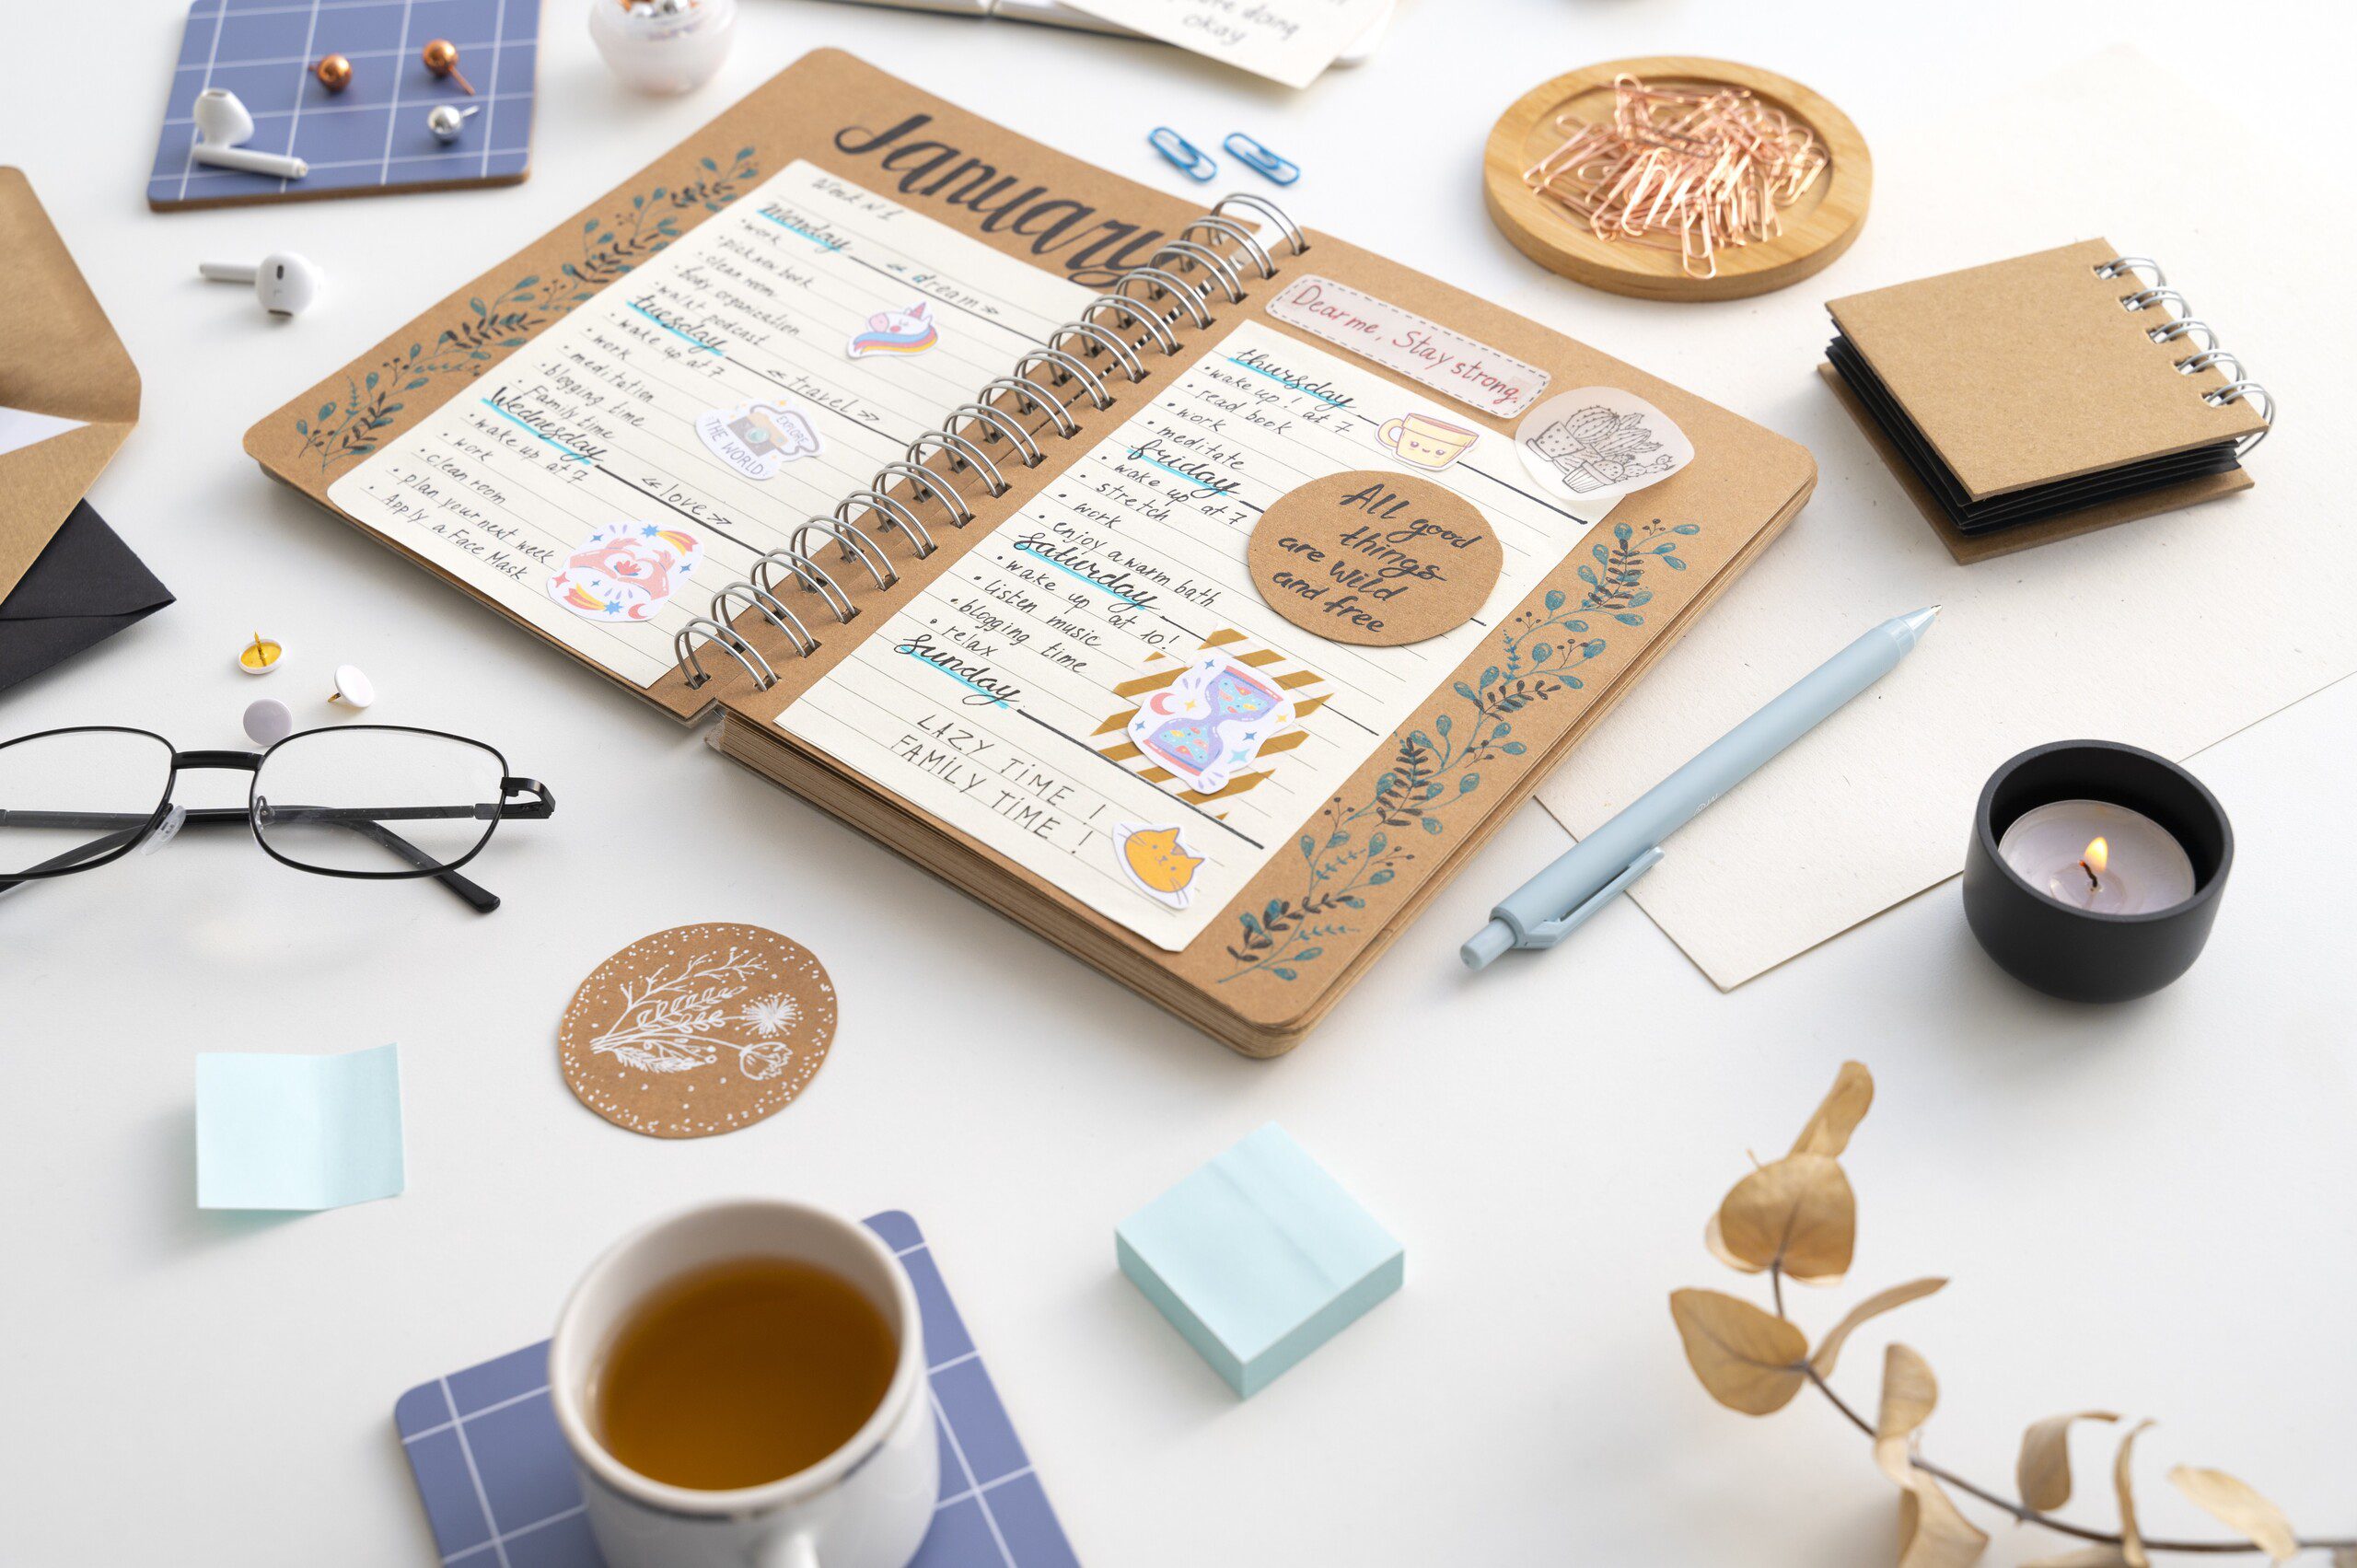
(74,796)
(371,800)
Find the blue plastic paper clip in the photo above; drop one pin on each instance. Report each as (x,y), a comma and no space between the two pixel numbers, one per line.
(1255,157)
(1181,154)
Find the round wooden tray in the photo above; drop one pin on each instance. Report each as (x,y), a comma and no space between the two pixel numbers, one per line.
(1817,228)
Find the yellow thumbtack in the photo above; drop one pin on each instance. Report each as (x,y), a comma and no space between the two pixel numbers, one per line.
(260,656)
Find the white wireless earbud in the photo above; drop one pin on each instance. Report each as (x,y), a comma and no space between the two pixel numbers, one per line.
(223,124)
(285,283)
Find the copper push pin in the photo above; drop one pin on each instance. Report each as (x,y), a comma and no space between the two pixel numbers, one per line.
(335,72)
(441,57)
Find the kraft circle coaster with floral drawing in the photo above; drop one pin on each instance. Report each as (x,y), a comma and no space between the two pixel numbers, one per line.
(697,1029)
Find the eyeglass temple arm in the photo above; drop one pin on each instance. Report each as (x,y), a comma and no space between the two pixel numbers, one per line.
(77,819)
(358,820)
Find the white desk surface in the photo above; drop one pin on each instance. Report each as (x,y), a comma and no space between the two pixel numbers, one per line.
(2143,1207)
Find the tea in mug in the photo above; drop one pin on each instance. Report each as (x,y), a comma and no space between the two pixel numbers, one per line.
(742,1373)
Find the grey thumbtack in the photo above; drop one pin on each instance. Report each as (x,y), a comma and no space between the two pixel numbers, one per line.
(447,120)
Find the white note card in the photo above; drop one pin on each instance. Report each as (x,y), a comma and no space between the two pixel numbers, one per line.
(1096,689)
(608,479)
(1285,41)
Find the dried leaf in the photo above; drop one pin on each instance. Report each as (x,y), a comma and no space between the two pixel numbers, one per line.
(2085,1556)
(1798,1211)
(1829,1350)
(1838,1116)
(1931,1533)
(1909,1393)
(1749,1359)
(2236,1506)
(2044,1469)
(2132,1540)
(1718,1246)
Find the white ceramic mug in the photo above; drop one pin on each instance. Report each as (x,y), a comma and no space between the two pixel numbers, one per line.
(867,1505)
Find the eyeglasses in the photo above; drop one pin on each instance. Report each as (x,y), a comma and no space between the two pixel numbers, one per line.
(323,800)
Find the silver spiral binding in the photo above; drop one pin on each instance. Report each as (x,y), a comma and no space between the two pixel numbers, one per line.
(1075,353)
(2207,354)
(1068,369)
(896,514)
(743,652)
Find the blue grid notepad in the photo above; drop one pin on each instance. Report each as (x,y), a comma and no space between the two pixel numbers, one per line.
(371,138)
(500,1493)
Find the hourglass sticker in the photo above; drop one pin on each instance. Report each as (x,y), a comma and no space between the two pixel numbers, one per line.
(1213,723)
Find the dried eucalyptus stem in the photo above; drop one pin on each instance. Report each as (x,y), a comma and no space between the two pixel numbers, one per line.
(1797,1216)
(2022,1512)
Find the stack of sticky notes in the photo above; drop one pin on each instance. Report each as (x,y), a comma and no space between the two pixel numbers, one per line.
(1259,1257)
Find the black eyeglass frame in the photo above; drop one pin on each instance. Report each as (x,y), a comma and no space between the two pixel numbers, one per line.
(540,805)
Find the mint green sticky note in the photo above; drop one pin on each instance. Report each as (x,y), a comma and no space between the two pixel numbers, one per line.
(277,1132)
(1259,1257)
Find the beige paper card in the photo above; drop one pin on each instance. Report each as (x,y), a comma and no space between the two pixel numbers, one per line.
(2171,635)
(1377,559)
(697,1029)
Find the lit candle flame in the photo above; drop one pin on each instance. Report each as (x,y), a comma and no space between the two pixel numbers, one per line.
(2098,857)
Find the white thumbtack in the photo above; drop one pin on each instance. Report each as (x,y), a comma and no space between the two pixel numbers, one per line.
(283,282)
(353,687)
(268,721)
(223,125)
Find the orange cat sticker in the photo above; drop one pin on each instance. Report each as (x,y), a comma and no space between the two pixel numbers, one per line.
(1158,862)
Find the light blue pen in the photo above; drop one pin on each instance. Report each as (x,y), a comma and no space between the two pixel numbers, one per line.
(1554,903)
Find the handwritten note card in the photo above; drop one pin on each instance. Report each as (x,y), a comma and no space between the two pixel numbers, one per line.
(1097,690)
(1285,41)
(642,453)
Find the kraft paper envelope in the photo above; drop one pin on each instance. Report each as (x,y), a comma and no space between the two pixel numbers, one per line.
(68,391)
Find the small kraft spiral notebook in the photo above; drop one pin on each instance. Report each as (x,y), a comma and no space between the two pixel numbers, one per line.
(1195,589)
(2046,396)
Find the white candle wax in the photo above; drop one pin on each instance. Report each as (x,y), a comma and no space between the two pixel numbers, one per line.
(2145,869)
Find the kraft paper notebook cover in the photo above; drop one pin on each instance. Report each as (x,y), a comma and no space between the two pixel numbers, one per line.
(930,455)
(2040,397)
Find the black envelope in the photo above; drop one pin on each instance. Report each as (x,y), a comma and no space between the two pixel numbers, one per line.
(82,588)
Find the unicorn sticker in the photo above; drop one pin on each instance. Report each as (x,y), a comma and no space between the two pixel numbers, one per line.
(759,439)
(625,570)
(896,331)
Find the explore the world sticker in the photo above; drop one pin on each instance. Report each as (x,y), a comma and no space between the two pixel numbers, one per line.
(1598,443)
(759,439)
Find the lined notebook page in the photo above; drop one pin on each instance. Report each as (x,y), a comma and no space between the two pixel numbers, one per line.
(681,423)
(1005,699)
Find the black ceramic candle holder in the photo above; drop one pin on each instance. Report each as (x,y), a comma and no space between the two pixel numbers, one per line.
(2087,955)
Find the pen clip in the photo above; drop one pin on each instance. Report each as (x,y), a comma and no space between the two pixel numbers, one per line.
(1546,933)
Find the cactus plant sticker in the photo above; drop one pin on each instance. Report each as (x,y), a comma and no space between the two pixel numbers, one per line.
(1596,445)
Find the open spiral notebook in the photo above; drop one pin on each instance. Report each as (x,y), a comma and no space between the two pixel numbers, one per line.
(929,456)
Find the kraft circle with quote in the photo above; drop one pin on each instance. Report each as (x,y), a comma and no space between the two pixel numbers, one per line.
(1377,559)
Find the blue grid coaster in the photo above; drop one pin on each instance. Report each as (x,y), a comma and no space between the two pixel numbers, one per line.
(500,1493)
(371,138)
